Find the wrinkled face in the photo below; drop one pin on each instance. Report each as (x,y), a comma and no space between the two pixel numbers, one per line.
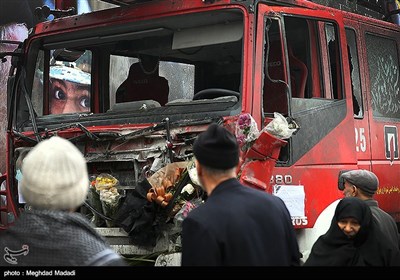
(349,226)
(349,189)
(68,97)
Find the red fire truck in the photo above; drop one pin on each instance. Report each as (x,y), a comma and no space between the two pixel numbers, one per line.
(154,74)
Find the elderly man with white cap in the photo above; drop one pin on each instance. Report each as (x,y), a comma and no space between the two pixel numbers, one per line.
(363,184)
(54,184)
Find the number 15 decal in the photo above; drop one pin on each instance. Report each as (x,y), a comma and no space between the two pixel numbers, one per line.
(361,143)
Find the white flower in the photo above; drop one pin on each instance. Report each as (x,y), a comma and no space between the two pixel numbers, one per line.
(188,188)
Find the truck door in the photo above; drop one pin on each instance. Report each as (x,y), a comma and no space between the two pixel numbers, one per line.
(319,100)
(382,74)
(359,108)
(303,78)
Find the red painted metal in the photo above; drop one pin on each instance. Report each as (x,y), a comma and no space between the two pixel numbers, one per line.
(317,169)
(65,4)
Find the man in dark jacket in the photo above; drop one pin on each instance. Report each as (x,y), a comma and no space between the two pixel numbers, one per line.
(237,225)
(363,184)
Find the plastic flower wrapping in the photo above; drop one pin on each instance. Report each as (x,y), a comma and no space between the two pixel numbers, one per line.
(279,127)
(104,196)
(246,131)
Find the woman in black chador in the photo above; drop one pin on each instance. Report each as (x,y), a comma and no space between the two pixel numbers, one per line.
(353,239)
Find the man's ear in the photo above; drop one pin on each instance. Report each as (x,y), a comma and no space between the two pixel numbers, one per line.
(355,191)
(199,169)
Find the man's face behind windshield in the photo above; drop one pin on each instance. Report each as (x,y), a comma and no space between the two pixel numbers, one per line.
(68,97)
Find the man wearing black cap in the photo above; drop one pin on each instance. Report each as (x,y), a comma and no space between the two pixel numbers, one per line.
(237,225)
(363,185)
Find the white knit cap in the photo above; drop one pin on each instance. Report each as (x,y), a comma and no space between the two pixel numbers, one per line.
(54,175)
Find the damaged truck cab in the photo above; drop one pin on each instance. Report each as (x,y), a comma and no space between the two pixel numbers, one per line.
(133,86)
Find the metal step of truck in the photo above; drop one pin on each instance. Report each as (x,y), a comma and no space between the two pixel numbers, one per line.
(119,241)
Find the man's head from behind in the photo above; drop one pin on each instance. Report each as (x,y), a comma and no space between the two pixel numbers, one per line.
(55,176)
(217,148)
(217,154)
(363,180)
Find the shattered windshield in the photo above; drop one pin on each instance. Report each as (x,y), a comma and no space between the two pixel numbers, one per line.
(187,64)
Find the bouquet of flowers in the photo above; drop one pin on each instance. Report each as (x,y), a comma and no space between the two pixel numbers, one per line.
(246,131)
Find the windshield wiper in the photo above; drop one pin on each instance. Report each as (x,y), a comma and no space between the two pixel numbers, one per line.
(88,133)
(163,125)
(24,137)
